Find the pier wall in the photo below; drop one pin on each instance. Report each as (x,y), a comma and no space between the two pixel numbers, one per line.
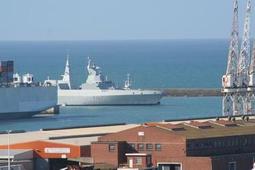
(191,92)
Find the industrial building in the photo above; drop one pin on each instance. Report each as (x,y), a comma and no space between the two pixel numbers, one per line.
(202,144)
(193,145)
(53,149)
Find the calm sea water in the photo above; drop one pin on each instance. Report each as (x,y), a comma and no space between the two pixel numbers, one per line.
(152,64)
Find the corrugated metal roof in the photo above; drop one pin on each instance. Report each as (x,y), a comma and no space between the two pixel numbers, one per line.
(72,133)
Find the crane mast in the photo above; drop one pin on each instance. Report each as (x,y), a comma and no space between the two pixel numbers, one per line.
(233,47)
(237,96)
(229,80)
(245,52)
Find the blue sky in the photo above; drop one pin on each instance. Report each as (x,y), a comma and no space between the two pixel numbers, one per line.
(115,19)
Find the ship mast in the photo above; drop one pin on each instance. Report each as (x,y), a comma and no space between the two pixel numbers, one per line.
(66,76)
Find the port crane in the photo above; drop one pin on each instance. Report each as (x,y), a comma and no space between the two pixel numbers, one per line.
(239,81)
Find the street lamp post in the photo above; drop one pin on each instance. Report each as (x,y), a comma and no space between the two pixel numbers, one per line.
(8,150)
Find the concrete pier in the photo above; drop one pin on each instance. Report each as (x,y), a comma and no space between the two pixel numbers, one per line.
(191,92)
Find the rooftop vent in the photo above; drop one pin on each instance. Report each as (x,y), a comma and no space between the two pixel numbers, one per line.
(168,126)
(199,125)
(225,123)
(172,127)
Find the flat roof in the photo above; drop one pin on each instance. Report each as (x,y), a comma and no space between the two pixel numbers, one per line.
(81,136)
(215,128)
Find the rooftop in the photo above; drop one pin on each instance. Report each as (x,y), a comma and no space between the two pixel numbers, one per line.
(210,128)
(77,136)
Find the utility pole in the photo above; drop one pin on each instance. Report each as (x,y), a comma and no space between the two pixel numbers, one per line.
(8,150)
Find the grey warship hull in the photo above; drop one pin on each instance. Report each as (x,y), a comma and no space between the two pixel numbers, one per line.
(108,97)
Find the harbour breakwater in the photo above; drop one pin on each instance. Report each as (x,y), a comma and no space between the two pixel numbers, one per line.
(191,92)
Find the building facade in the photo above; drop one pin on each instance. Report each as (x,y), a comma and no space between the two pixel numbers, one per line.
(209,145)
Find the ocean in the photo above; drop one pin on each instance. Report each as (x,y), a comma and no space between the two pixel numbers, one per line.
(151,63)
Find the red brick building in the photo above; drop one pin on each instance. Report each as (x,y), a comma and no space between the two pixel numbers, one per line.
(210,145)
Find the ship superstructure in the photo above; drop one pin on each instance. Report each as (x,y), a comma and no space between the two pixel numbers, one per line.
(98,90)
(21,96)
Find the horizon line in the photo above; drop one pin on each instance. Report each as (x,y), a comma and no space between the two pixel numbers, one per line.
(143,39)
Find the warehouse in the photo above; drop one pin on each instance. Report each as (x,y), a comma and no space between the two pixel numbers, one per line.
(192,145)
(53,148)
(203,144)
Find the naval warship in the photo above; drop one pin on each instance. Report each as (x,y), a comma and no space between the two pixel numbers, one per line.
(21,96)
(97,90)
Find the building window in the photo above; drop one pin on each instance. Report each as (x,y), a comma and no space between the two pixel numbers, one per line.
(190,146)
(149,147)
(245,141)
(132,145)
(232,166)
(158,147)
(140,147)
(138,161)
(112,147)
(170,166)
(215,144)
(250,141)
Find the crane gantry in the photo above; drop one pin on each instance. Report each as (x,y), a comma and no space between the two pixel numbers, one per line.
(239,81)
